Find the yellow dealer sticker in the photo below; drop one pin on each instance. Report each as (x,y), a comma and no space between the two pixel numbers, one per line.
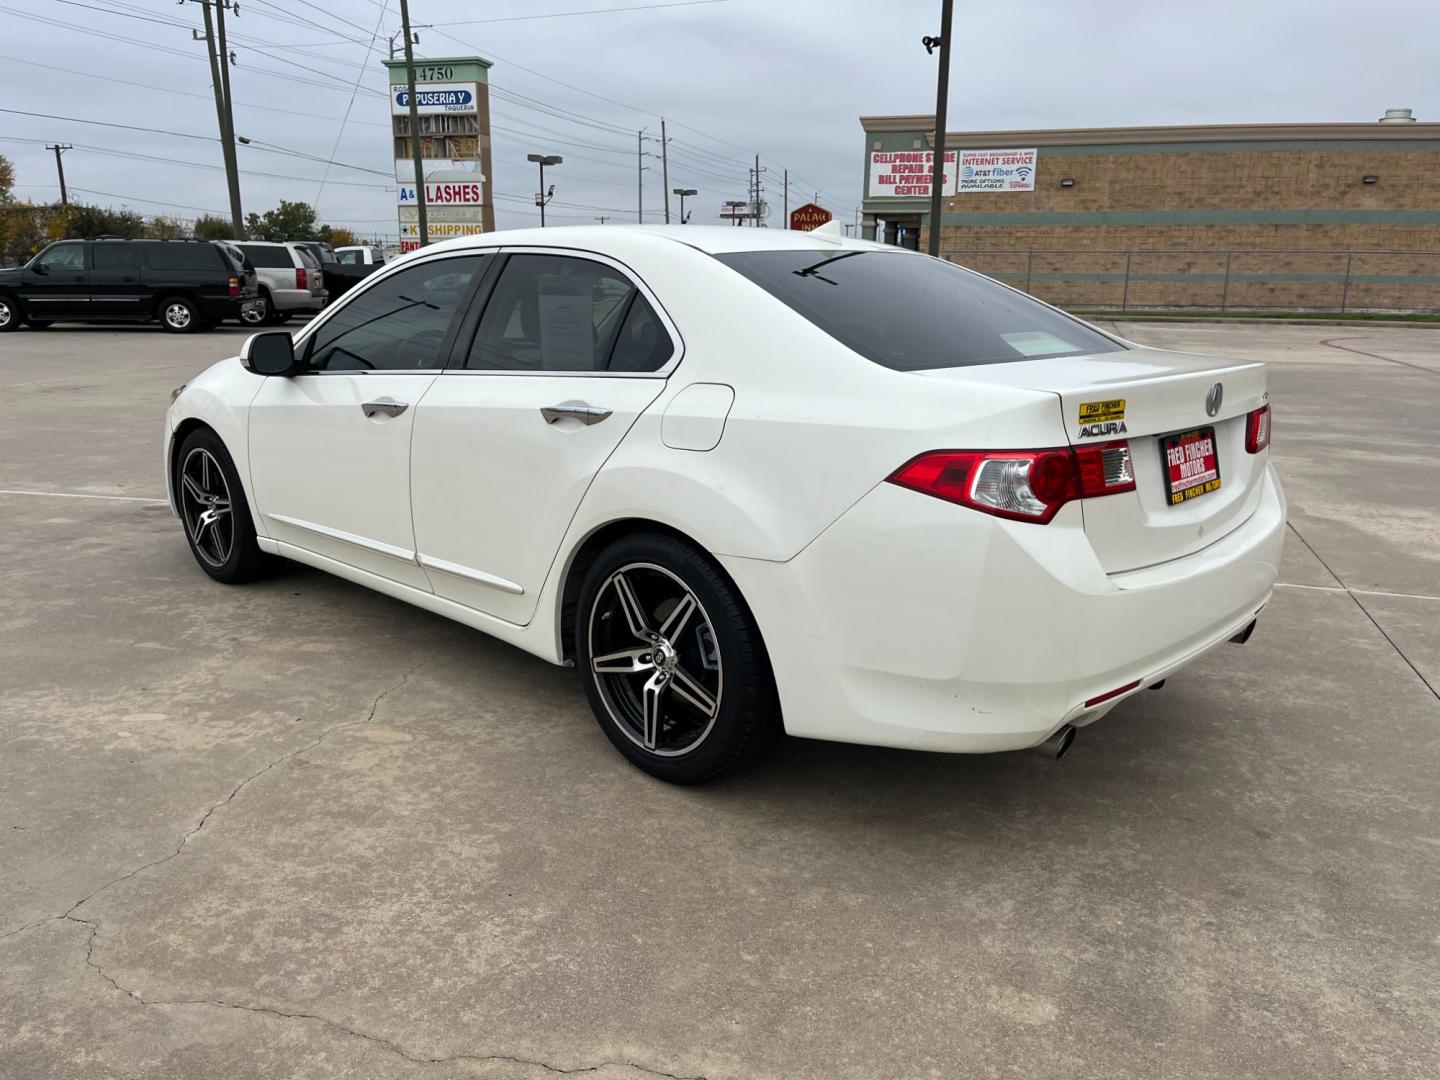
(1094,412)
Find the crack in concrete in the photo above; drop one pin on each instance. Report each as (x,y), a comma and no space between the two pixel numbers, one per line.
(205,817)
(334,1025)
(386,1044)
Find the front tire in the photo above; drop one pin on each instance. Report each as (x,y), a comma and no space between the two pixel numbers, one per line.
(672,662)
(179,315)
(212,505)
(9,315)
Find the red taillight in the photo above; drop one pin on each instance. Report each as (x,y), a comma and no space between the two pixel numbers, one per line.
(1257,430)
(301,279)
(1022,485)
(234,286)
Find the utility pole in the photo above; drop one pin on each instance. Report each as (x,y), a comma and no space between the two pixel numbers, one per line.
(232,166)
(757,192)
(59,149)
(415,126)
(220,83)
(640,176)
(785,202)
(602,219)
(942,96)
(665,168)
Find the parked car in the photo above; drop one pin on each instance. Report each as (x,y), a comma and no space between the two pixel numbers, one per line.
(185,284)
(352,265)
(751,481)
(291,281)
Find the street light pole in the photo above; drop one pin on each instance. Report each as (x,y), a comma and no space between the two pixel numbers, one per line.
(414,124)
(542,197)
(682,192)
(942,96)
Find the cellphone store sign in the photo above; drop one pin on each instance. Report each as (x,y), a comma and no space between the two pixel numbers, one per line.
(906,174)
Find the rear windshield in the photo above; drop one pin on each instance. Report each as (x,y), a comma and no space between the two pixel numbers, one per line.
(307,256)
(231,254)
(270,257)
(180,255)
(913,313)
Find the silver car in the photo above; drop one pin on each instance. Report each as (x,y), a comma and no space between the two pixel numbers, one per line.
(291,281)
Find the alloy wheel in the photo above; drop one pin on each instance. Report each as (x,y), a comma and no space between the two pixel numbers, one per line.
(654,659)
(6,313)
(257,315)
(206,507)
(177,316)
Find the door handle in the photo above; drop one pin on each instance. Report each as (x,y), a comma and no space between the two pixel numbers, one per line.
(586,414)
(389,408)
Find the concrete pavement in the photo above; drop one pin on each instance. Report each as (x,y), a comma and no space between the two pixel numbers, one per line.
(298,829)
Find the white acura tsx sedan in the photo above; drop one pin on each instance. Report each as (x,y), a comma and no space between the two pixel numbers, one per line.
(751,482)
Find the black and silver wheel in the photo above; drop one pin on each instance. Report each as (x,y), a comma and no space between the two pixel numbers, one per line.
(260,313)
(672,662)
(213,507)
(9,315)
(179,315)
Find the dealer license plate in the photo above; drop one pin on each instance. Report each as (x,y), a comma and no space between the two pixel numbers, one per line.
(1192,466)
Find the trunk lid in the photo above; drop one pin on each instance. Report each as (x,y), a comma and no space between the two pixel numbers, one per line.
(1143,395)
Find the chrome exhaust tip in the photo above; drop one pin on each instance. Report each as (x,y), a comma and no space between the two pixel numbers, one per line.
(1055,746)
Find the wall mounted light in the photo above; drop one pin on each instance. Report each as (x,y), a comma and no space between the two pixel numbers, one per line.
(1370,178)
(1069,181)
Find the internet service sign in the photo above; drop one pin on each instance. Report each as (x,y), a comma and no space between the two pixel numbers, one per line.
(434,98)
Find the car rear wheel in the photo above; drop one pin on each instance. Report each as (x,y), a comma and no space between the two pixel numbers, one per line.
(179,315)
(9,315)
(213,507)
(672,662)
(262,313)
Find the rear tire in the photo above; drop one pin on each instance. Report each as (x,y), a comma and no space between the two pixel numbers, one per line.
(179,315)
(9,314)
(214,511)
(262,314)
(682,685)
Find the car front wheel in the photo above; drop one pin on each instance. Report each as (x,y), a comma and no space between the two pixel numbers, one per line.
(9,315)
(213,507)
(672,662)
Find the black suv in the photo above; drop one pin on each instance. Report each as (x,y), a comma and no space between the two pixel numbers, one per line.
(186,284)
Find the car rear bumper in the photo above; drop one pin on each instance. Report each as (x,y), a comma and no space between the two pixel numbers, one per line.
(912,622)
(298,299)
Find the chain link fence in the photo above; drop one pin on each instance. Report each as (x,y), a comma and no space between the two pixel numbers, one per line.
(1231,280)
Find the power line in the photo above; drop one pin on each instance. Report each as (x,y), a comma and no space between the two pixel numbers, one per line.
(339,134)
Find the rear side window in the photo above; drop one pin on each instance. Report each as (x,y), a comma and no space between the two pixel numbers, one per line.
(551,313)
(112,256)
(399,324)
(232,255)
(643,343)
(307,257)
(271,258)
(180,255)
(912,313)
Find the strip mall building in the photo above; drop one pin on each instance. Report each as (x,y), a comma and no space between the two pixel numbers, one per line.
(1305,216)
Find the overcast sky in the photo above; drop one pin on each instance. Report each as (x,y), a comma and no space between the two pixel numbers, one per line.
(784,78)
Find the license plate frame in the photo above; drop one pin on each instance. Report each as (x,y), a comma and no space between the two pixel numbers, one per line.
(1180,490)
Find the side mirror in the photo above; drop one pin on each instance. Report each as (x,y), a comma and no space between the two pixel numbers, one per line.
(40,268)
(270,353)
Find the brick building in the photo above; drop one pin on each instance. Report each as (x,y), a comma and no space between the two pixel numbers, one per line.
(1306,216)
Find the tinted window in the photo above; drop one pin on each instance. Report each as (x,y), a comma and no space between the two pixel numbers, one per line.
(642,344)
(180,255)
(112,256)
(231,254)
(551,313)
(910,312)
(263,255)
(307,258)
(398,324)
(65,256)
